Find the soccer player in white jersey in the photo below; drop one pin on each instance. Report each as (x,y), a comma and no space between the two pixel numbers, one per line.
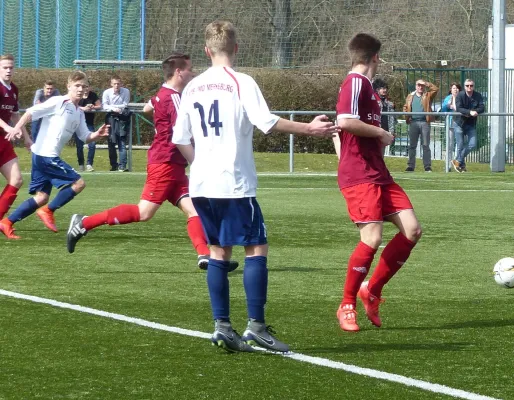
(219,110)
(61,118)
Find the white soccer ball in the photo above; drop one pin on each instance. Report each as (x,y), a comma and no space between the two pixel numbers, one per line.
(504,272)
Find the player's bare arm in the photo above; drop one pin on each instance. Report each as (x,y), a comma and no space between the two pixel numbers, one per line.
(188,151)
(358,128)
(319,126)
(19,128)
(103,131)
(15,118)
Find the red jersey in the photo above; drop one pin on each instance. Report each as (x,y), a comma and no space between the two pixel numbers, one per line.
(8,102)
(165,108)
(361,159)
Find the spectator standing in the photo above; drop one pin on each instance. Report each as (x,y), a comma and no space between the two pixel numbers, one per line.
(387,122)
(42,95)
(89,103)
(115,101)
(469,103)
(419,125)
(449,106)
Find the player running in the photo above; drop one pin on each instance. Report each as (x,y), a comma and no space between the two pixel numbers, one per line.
(61,118)
(166,170)
(9,166)
(218,111)
(371,195)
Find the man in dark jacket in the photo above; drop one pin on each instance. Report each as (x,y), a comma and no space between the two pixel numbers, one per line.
(469,103)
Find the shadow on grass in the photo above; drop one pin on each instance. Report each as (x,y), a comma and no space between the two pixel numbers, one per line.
(458,325)
(377,347)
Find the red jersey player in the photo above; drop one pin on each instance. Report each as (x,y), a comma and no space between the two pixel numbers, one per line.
(9,167)
(166,170)
(371,195)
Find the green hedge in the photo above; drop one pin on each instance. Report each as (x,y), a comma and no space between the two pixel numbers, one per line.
(284,90)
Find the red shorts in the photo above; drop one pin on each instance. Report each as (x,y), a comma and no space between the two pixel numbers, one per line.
(165,181)
(6,151)
(369,202)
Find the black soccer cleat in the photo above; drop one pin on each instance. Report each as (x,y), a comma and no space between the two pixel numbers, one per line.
(75,232)
(203,262)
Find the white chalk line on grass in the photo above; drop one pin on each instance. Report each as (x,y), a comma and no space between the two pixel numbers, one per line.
(323,362)
(407,190)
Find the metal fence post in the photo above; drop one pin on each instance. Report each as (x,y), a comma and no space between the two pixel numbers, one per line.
(449,145)
(291,147)
(129,155)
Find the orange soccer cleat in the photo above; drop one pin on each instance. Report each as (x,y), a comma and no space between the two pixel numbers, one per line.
(347,316)
(7,229)
(371,304)
(47,217)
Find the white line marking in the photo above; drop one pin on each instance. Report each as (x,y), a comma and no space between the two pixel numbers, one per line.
(323,362)
(334,189)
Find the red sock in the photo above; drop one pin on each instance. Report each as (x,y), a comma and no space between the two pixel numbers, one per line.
(393,257)
(197,235)
(358,268)
(122,214)
(7,198)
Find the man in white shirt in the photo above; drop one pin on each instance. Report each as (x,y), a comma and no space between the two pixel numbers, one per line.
(115,100)
(219,110)
(61,118)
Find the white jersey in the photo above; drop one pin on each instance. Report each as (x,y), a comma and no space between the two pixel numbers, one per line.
(219,110)
(61,119)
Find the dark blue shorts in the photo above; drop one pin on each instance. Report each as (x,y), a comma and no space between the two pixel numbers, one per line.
(231,222)
(50,171)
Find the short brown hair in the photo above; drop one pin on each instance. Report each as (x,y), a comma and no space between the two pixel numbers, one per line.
(49,82)
(9,57)
(115,77)
(172,62)
(220,37)
(77,76)
(454,84)
(363,47)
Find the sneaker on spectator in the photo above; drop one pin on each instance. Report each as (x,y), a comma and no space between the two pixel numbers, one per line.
(81,168)
(456,166)
(428,169)
(89,168)
(409,169)
(463,168)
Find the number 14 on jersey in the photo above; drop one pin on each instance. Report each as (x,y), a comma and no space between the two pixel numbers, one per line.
(213,120)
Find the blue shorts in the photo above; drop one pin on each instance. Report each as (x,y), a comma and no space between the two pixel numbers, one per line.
(50,171)
(231,222)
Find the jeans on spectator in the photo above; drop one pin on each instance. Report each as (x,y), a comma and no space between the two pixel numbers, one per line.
(91,148)
(417,129)
(463,149)
(113,157)
(34,130)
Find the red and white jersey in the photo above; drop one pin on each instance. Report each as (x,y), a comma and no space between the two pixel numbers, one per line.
(219,110)
(61,119)
(165,106)
(8,102)
(361,159)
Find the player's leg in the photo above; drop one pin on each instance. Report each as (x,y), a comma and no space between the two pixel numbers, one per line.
(155,192)
(398,210)
(217,220)
(10,169)
(365,210)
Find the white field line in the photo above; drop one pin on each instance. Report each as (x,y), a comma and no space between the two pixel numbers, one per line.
(323,362)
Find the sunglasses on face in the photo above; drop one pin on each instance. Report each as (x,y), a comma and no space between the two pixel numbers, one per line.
(469,85)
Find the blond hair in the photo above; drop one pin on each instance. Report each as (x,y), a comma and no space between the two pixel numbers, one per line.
(9,57)
(77,76)
(220,37)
